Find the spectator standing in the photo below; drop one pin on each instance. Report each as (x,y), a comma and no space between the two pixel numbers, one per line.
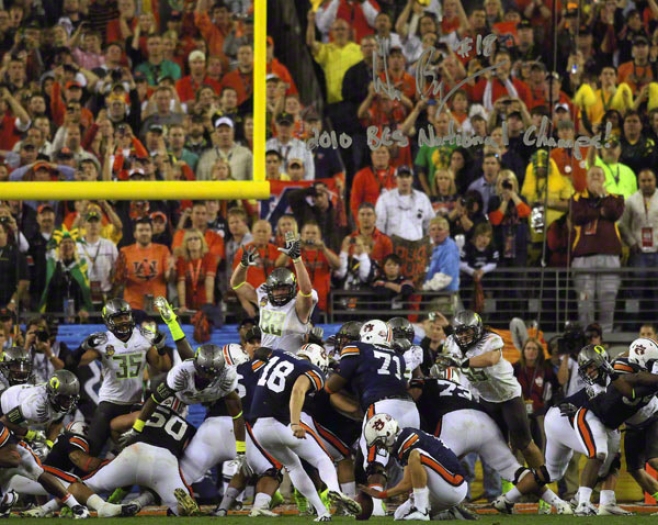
(404,211)
(40,243)
(241,78)
(356,269)
(479,258)
(157,66)
(359,15)
(198,215)
(13,267)
(638,151)
(214,24)
(639,229)
(445,254)
(596,245)
(371,182)
(67,282)
(144,267)
(313,204)
(196,267)
(188,86)
(378,244)
(101,256)
(225,147)
(486,185)
(619,178)
(290,147)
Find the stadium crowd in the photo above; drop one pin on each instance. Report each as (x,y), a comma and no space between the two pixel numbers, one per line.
(364,201)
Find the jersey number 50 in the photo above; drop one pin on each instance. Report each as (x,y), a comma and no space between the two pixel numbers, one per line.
(274,375)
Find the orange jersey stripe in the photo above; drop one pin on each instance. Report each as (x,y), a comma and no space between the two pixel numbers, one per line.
(4,436)
(335,441)
(257,365)
(372,451)
(437,430)
(454,479)
(585,433)
(61,474)
(349,350)
(315,378)
(623,367)
(408,443)
(80,443)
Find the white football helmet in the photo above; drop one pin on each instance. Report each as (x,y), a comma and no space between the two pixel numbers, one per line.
(234,354)
(381,431)
(316,355)
(376,332)
(642,351)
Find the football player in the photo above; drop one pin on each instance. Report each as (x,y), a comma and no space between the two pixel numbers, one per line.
(124,351)
(374,371)
(204,379)
(450,413)
(283,383)
(15,368)
(589,421)
(403,342)
(478,354)
(285,312)
(432,472)
(26,405)
(259,462)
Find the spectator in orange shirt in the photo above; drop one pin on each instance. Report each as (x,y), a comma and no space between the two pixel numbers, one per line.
(213,25)
(637,72)
(188,86)
(241,78)
(281,71)
(195,272)
(379,244)
(143,268)
(198,215)
(370,182)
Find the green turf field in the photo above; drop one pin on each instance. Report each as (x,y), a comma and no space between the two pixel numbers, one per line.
(492,519)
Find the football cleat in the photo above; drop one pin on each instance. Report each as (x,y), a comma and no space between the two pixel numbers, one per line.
(8,501)
(325,517)
(503,505)
(612,509)
(36,512)
(563,507)
(130,509)
(344,502)
(220,513)
(415,514)
(117,496)
(462,513)
(186,503)
(80,512)
(255,512)
(585,509)
(277,499)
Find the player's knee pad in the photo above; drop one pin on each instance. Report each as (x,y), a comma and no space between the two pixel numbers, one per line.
(274,473)
(521,473)
(542,477)
(374,469)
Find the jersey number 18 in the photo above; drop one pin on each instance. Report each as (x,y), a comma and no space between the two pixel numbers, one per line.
(274,375)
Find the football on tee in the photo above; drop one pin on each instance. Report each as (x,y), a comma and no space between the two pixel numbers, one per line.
(366,505)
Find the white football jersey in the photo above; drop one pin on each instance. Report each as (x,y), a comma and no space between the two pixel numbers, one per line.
(122,367)
(32,404)
(280,326)
(180,379)
(412,359)
(494,383)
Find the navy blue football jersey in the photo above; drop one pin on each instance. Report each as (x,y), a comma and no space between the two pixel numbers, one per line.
(612,408)
(374,373)
(166,429)
(440,397)
(247,379)
(64,445)
(319,407)
(276,377)
(436,455)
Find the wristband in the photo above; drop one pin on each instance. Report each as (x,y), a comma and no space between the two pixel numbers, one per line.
(298,260)
(240,447)
(139,425)
(243,266)
(239,285)
(49,444)
(238,416)
(176,331)
(383,494)
(306,294)
(30,435)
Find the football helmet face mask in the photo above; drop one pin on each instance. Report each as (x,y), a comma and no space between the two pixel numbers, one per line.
(16,365)
(590,364)
(467,329)
(234,355)
(316,355)
(348,333)
(381,431)
(209,361)
(643,352)
(118,317)
(376,332)
(63,390)
(281,279)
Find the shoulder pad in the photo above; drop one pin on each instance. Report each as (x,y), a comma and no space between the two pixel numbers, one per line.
(350,351)
(623,366)
(147,334)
